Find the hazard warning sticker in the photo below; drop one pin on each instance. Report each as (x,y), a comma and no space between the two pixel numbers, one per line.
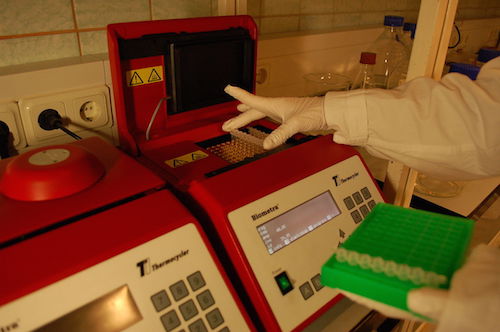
(143,76)
(186,159)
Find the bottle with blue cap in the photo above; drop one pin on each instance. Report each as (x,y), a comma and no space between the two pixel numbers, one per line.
(392,56)
(409,29)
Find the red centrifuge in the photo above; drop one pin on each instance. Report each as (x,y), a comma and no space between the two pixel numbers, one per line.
(275,217)
(91,241)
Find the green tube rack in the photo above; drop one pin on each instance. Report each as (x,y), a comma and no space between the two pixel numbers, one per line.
(395,250)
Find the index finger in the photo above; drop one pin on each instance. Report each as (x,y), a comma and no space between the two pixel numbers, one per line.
(256,102)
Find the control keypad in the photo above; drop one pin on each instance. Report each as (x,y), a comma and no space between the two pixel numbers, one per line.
(188,300)
(360,203)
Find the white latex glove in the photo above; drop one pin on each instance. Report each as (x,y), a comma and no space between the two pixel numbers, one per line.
(472,304)
(473,300)
(296,114)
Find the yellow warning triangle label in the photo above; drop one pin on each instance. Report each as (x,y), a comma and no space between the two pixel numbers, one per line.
(154,76)
(136,80)
(179,162)
(136,77)
(186,159)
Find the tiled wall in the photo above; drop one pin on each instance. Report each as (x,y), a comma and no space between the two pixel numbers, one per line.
(37,30)
(278,16)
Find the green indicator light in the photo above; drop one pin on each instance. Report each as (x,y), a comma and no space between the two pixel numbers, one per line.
(283,282)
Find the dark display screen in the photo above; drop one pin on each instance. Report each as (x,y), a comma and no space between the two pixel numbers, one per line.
(112,312)
(281,231)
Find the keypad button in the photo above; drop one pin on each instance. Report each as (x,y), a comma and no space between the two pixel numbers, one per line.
(316,281)
(366,193)
(225,329)
(306,290)
(214,318)
(198,326)
(356,216)
(188,310)
(196,281)
(349,203)
(357,197)
(170,320)
(371,204)
(160,300)
(205,299)
(364,210)
(179,290)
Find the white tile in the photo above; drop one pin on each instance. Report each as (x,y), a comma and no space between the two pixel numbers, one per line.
(40,48)
(97,14)
(316,22)
(317,7)
(168,9)
(94,42)
(279,24)
(253,7)
(347,6)
(28,16)
(280,7)
(346,20)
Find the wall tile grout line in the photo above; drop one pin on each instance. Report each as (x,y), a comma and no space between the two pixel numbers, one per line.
(48,33)
(75,22)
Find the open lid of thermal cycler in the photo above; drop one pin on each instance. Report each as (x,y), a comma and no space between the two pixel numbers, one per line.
(198,65)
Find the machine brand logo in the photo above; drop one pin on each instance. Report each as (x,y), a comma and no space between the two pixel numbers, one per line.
(145,266)
(339,180)
(265,212)
(9,327)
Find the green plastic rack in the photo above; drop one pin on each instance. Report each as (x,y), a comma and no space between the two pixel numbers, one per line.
(395,250)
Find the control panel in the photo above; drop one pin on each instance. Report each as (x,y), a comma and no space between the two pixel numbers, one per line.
(170,283)
(289,234)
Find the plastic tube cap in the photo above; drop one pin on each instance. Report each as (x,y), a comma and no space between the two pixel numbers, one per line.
(486,54)
(408,26)
(368,58)
(465,68)
(393,21)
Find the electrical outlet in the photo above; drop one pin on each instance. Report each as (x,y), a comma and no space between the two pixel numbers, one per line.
(9,113)
(90,110)
(83,111)
(263,74)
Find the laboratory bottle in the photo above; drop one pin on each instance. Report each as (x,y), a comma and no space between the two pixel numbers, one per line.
(408,35)
(365,78)
(392,55)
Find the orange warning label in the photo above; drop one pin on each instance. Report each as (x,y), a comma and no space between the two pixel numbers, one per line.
(144,76)
(186,159)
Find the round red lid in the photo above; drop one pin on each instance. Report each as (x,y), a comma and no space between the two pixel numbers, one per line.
(50,172)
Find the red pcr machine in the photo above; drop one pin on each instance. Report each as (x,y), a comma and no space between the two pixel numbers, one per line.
(91,241)
(274,216)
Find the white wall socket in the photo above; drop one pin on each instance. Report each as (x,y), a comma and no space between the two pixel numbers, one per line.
(85,110)
(9,113)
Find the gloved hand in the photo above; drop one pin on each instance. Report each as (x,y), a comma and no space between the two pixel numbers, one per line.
(472,304)
(296,114)
(473,300)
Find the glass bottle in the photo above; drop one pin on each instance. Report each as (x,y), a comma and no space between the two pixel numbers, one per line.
(408,35)
(392,55)
(365,79)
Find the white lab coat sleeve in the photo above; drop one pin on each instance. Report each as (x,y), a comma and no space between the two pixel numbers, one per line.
(449,128)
